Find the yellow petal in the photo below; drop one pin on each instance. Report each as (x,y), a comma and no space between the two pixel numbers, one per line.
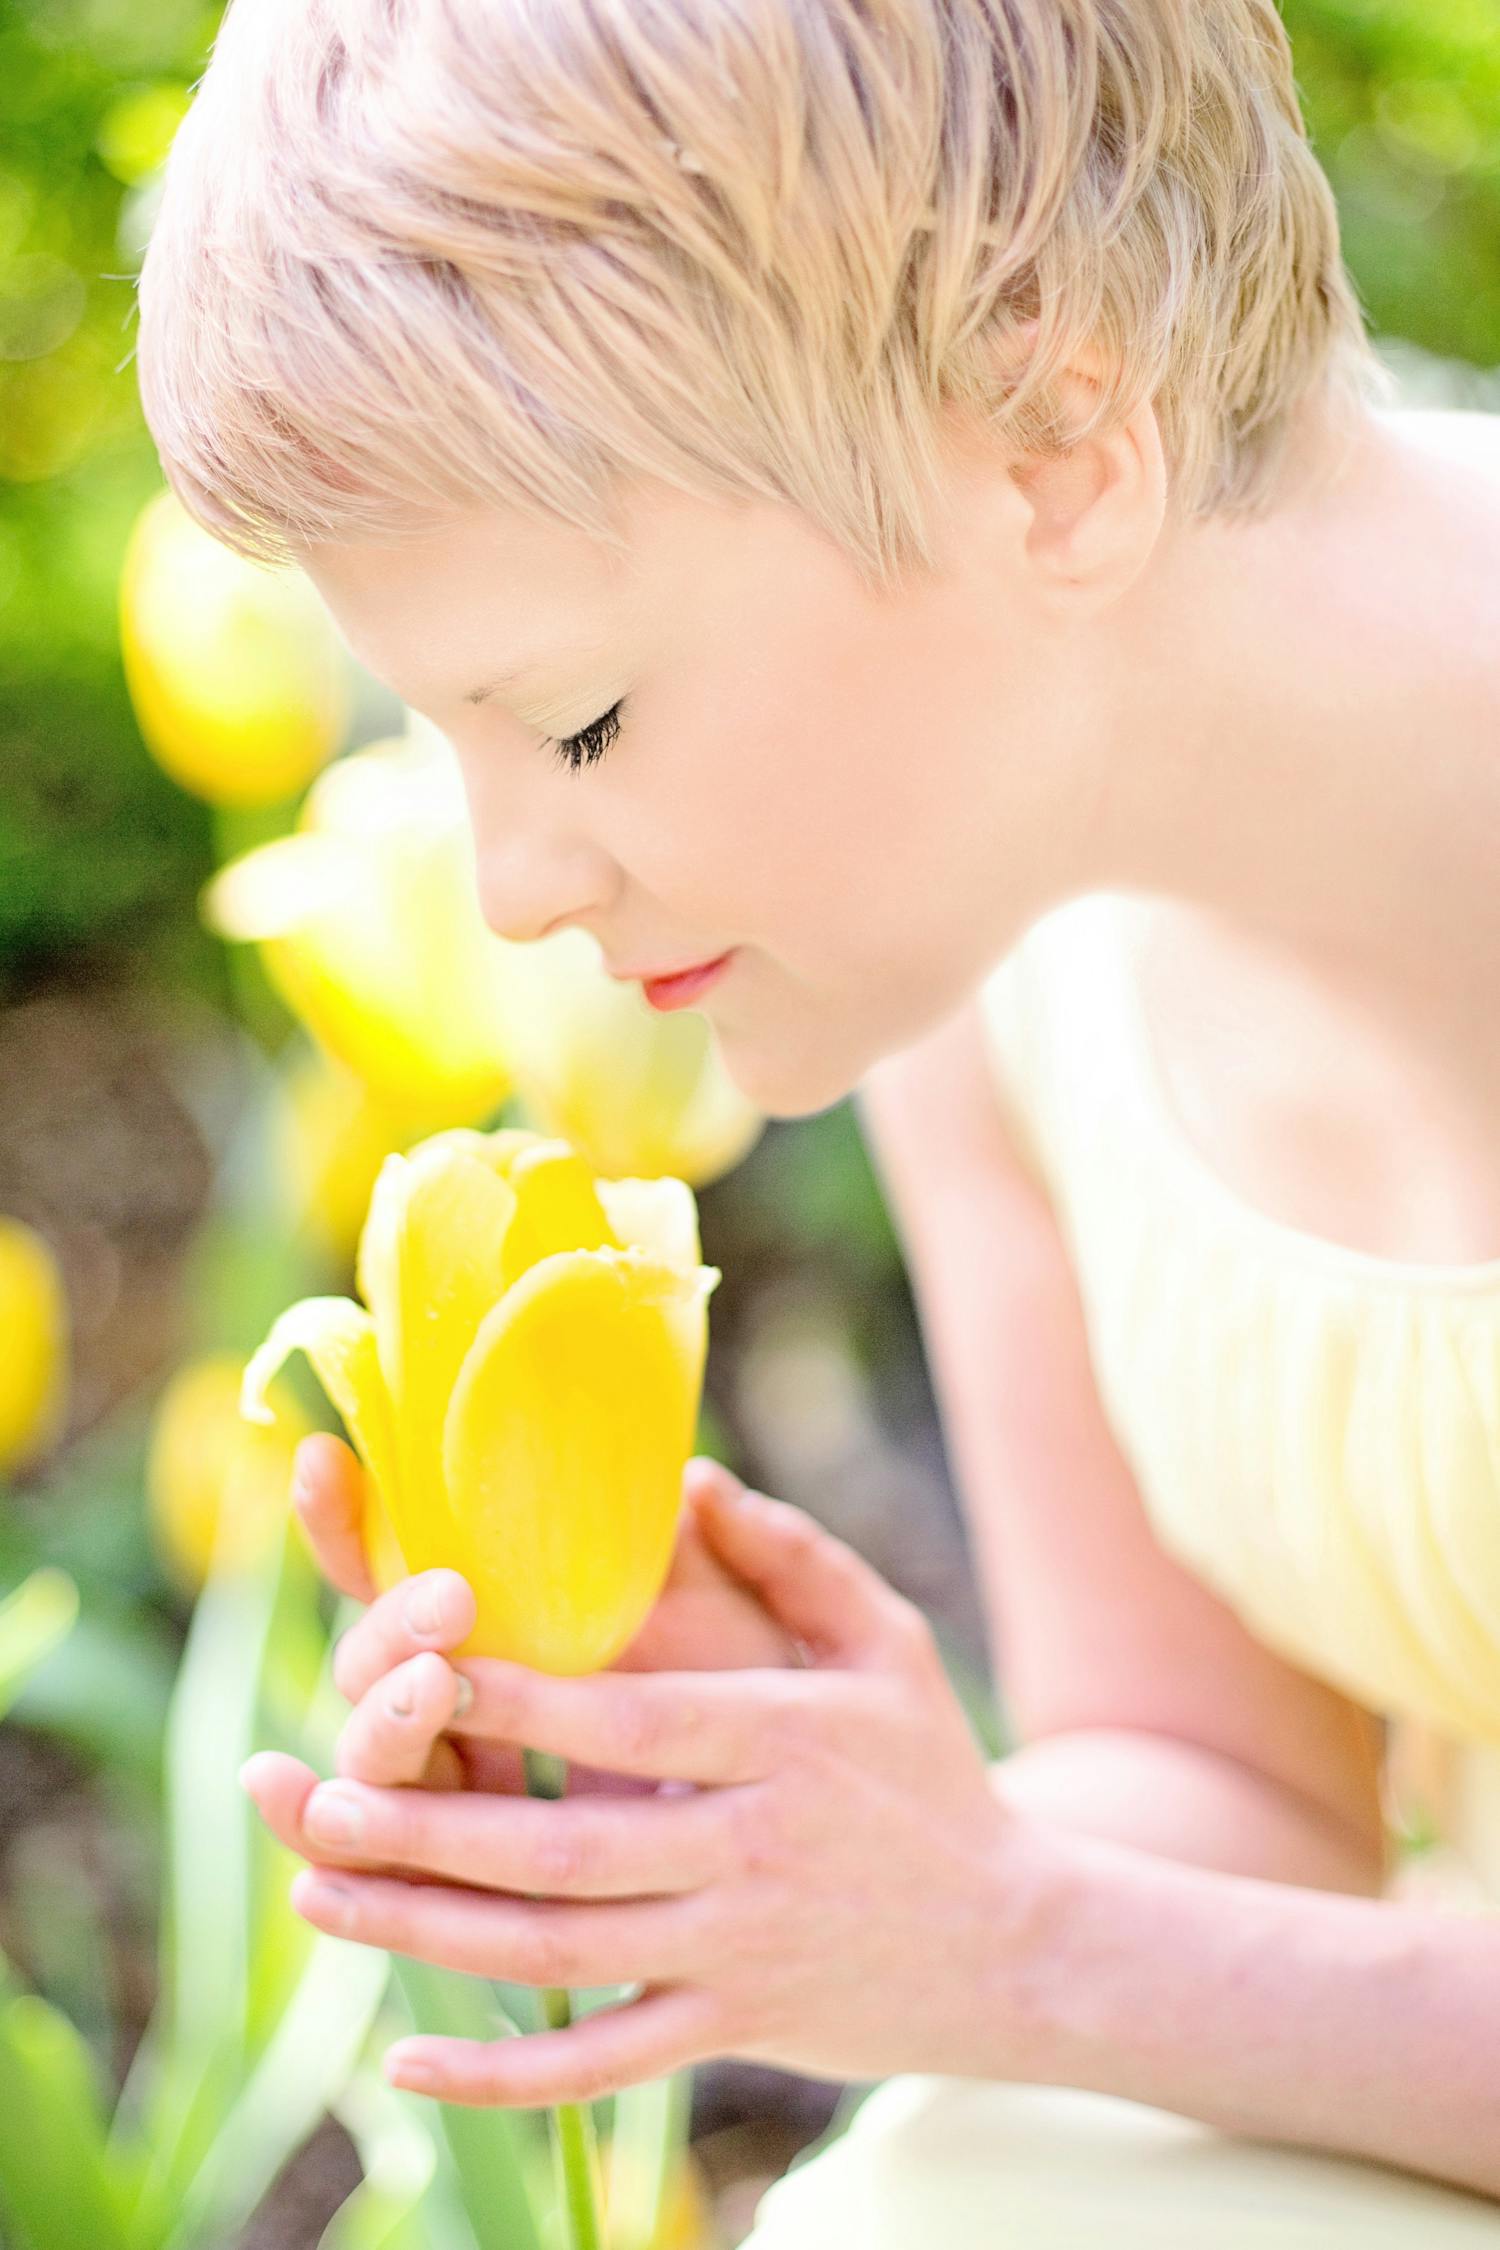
(658,1215)
(392,980)
(216,1490)
(329,1137)
(557,1208)
(278,887)
(565,1443)
(430,1265)
(637,1093)
(34,1356)
(507,1144)
(370,928)
(338,1337)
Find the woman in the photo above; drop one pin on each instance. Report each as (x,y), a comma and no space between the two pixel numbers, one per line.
(924,461)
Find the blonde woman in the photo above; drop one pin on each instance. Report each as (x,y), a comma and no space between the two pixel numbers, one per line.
(894,498)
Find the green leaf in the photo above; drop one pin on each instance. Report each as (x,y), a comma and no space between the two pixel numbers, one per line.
(60,2183)
(302,2072)
(232,1947)
(35,1617)
(397,2204)
(488,2147)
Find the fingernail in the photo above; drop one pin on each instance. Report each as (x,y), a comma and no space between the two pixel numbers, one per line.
(423,1609)
(464,1699)
(332,1817)
(411,2071)
(401,1698)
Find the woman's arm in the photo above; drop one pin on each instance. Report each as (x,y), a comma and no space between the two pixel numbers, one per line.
(1146,1710)
(1187,1803)
(1348,2024)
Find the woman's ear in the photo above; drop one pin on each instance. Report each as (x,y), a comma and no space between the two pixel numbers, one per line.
(1096,510)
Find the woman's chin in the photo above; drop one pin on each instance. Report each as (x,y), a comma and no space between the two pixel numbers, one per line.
(783,1084)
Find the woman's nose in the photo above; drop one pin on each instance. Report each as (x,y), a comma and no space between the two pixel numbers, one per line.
(530,893)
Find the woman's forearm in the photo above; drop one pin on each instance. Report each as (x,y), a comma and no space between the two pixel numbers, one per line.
(1189,1803)
(1355,2025)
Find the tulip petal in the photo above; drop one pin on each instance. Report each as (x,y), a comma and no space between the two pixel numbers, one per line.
(430,1266)
(278,886)
(656,1215)
(564,1447)
(338,1337)
(371,930)
(557,1207)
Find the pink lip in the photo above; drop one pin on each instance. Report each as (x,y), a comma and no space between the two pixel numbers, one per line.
(681,987)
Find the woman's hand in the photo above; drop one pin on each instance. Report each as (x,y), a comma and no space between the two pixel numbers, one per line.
(827,1881)
(704,1620)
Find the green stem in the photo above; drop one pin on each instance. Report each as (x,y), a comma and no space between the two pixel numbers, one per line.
(574,2147)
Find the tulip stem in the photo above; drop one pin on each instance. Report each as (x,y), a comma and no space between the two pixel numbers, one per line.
(574,2146)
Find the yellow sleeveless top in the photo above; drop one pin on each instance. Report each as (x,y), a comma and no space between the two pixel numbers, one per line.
(1314,1430)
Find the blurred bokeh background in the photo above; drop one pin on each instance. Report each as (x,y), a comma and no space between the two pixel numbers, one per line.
(186,1142)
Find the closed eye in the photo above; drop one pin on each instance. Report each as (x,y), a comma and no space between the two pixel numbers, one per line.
(590,743)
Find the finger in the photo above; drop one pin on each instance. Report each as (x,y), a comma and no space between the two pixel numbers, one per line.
(598,1847)
(673,1726)
(436,1609)
(819,1588)
(664,2030)
(395,1731)
(520,1941)
(703,1475)
(279,1786)
(328,1497)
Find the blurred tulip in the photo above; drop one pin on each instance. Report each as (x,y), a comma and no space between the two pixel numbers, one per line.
(686,2218)
(523,1387)
(209,1474)
(240,682)
(34,1359)
(329,1137)
(633,1090)
(369,925)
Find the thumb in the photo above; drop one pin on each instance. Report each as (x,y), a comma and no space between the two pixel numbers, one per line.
(823,1592)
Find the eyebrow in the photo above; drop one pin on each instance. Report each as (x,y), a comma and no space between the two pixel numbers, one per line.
(487,688)
(541,661)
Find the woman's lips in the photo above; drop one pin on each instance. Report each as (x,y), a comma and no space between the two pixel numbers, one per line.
(681,990)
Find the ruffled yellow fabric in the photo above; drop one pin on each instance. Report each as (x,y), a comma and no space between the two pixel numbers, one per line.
(1315,1431)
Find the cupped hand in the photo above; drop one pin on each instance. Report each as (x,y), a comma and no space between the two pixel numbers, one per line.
(704,1619)
(819,1874)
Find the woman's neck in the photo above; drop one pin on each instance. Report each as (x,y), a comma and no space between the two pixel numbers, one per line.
(1302,734)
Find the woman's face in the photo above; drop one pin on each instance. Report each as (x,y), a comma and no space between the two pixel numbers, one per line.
(860,795)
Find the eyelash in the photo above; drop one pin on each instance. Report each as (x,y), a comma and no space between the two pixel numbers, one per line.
(588,746)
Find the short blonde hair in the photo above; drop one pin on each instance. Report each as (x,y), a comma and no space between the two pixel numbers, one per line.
(414,256)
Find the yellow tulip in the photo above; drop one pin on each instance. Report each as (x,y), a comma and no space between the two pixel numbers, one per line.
(240,682)
(34,1362)
(210,1477)
(633,1090)
(369,925)
(521,1382)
